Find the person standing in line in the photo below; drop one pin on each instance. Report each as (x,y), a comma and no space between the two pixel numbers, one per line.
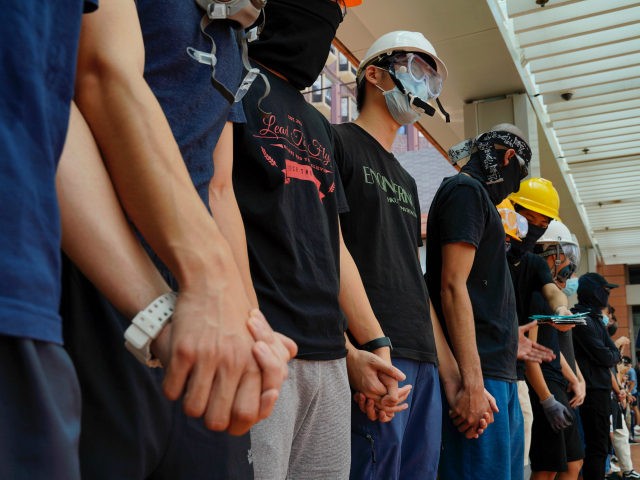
(136,88)
(595,353)
(382,232)
(290,195)
(470,286)
(538,202)
(40,413)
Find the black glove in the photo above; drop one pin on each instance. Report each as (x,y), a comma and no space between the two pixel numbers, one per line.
(558,416)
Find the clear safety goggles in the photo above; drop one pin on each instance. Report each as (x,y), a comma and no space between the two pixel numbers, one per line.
(513,222)
(418,71)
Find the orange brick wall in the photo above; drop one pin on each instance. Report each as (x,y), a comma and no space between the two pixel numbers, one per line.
(618,300)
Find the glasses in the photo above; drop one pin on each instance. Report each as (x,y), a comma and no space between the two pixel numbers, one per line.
(514,223)
(418,71)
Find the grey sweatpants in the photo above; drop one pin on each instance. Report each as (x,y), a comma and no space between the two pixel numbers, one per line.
(307,437)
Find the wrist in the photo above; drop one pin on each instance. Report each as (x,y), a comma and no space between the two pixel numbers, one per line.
(548,401)
(377,344)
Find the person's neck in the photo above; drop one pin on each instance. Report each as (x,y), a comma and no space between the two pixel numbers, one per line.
(377,122)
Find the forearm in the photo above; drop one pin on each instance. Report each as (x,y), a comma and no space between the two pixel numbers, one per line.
(95,233)
(143,158)
(567,372)
(556,299)
(448,367)
(225,210)
(354,302)
(460,325)
(534,372)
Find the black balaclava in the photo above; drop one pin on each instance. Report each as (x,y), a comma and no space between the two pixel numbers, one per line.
(296,38)
(528,243)
(486,161)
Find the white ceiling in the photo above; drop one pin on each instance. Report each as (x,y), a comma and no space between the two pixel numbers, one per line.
(589,48)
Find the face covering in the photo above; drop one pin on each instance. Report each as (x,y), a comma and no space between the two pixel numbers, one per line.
(571,287)
(612,328)
(296,38)
(399,106)
(486,162)
(605,319)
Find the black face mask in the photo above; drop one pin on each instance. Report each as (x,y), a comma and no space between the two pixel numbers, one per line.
(527,244)
(296,38)
(612,329)
(510,182)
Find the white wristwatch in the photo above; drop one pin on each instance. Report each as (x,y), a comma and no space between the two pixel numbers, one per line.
(147,325)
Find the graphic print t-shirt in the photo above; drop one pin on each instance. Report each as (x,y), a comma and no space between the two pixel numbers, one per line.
(382,232)
(290,195)
(462,211)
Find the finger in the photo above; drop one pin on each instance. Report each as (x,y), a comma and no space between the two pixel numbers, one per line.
(268,362)
(245,411)
(370,410)
(525,328)
(198,388)
(391,398)
(177,372)
(290,345)
(389,370)
(268,400)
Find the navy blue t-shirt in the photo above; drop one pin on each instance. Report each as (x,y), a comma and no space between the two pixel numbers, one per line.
(289,192)
(39,47)
(462,211)
(196,111)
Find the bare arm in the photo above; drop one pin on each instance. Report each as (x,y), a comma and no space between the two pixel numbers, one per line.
(95,233)
(575,385)
(457,260)
(210,345)
(224,207)
(534,372)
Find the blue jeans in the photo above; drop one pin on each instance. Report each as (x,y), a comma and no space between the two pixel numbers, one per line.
(499,452)
(408,447)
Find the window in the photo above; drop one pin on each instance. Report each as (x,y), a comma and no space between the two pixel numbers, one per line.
(316,90)
(326,86)
(343,63)
(634,274)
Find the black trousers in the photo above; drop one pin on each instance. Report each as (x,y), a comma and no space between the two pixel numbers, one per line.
(594,413)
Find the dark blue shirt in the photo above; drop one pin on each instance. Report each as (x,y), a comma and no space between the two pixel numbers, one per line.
(38,51)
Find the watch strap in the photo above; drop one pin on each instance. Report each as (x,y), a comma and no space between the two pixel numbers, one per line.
(147,325)
(377,343)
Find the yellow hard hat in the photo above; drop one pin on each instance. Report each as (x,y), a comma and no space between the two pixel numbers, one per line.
(539,195)
(514,224)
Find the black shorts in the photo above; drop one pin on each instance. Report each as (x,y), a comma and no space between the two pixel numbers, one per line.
(129,429)
(551,451)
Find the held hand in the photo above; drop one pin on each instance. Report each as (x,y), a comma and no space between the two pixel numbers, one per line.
(364,370)
(272,351)
(622,341)
(558,416)
(532,351)
(469,407)
(382,413)
(579,393)
(211,358)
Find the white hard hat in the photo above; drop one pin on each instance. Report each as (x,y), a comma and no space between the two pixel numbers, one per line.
(558,233)
(401,41)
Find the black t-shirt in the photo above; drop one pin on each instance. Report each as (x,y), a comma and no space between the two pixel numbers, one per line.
(547,336)
(382,232)
(529,275)
(462,211)
(289,193)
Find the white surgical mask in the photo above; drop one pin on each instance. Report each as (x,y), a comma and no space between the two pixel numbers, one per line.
(399,107)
